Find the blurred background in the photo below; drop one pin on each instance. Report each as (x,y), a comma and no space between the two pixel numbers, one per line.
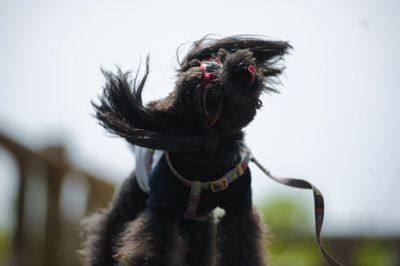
(335,123)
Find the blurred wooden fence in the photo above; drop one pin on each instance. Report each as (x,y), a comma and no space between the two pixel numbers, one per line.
(46,225)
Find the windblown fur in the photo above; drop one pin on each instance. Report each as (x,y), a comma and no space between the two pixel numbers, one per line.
(128,232)
(172,123)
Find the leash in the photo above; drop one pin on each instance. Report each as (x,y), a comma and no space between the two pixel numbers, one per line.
(223,183)
(318,206)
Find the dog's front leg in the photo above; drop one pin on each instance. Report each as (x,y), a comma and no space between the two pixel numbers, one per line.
(151,240)
(241,240)
(199,238)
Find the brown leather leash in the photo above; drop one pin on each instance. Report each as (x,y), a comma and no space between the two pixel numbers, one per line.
(318,206)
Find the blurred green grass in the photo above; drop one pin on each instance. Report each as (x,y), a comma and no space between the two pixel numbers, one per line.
(292,242)
(5,247)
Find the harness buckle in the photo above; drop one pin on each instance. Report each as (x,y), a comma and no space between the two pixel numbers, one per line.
(219,185)
(240,168)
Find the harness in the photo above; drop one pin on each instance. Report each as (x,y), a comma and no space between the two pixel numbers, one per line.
(196,187)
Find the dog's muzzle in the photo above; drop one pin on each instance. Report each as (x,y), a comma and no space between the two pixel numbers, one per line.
(211,69)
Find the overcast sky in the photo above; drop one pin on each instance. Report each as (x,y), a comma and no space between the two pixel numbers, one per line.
(336,122)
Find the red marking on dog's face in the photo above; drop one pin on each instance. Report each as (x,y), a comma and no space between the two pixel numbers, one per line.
(252,69)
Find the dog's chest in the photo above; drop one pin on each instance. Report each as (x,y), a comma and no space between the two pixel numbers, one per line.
(168,194)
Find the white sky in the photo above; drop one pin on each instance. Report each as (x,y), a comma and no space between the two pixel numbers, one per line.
(336,122)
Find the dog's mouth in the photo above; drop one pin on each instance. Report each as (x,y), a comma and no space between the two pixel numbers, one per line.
(212,97)
(212,103)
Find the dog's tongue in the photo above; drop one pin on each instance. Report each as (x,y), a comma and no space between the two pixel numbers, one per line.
(252,70)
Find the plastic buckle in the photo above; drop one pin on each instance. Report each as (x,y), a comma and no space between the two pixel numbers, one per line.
(219,185)
(240,168)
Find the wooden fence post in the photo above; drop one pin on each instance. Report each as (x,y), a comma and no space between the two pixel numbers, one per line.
(54,176)
(19,233)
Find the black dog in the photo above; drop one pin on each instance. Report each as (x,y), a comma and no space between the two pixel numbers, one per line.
(201,164)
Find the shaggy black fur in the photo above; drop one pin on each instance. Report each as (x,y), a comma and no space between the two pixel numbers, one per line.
(101,230)
(128,234)
(244,233)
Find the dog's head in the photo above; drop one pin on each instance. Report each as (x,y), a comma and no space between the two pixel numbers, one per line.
(217,93)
